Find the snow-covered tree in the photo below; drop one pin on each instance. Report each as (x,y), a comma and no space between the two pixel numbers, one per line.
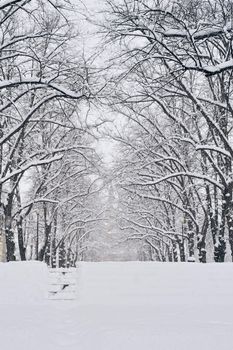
(176,59)
(42,81)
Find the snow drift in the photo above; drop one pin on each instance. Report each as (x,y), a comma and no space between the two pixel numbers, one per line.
(126,306)
(23,282)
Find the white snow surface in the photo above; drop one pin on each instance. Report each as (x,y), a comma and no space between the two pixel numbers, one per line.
(128,305)
(23,283)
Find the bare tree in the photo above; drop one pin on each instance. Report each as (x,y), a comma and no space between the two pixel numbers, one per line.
(40,78)
(173,57)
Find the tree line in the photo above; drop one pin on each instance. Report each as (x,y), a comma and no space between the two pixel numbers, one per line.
(48,167)
(168,81)
(174,87)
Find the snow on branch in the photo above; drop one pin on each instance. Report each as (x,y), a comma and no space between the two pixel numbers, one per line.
(46,82)
(188,174)
(166,201)
(198,34)
(165,233)
(19,127)
(6,3)
(212,70)
(213,149)
(63,93)
(28,166)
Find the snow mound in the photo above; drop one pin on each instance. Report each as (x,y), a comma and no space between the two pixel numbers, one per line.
(119,306)
(150,283)
(23,282)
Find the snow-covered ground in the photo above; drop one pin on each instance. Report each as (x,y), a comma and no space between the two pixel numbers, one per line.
(119,306)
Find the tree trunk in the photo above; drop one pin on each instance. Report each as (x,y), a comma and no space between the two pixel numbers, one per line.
(220,242)
(22,249)
(191,241)
(9,234)
(62,255)
(174,249)
(181,248)
(201,242)
(46,242)
(229,215)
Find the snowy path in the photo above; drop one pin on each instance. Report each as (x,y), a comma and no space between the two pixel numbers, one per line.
(129,306)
